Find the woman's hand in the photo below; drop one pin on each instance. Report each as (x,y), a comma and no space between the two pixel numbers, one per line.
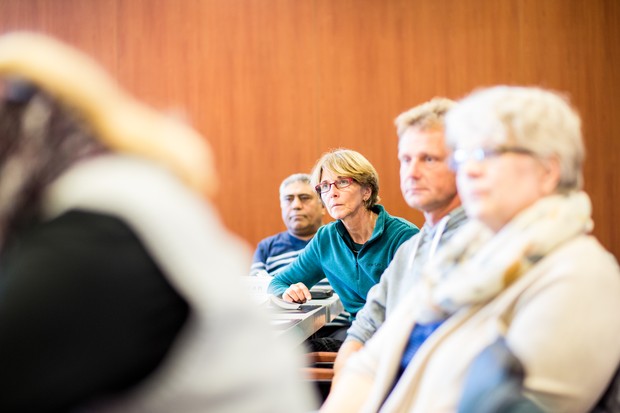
(297,293)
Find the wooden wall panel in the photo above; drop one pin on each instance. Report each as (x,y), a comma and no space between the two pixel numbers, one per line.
(244,71)
(361,87)
(266,86)
(90,25)
(274,83)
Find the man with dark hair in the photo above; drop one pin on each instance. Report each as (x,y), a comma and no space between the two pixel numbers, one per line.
(302,213)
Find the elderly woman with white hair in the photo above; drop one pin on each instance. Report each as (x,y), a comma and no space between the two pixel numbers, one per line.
(525,270)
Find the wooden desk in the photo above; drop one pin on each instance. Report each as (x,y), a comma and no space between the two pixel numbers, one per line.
(301,324)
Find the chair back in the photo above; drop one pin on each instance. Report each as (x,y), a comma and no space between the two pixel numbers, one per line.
(494,383)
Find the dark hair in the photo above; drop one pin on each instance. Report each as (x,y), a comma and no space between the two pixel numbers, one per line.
(39,139)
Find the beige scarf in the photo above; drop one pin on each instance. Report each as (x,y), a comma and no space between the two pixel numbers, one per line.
(478,264)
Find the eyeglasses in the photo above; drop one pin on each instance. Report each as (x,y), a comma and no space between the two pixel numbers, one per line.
(339,183)
(460,156)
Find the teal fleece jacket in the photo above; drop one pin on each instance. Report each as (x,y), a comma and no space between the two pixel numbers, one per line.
(330,254)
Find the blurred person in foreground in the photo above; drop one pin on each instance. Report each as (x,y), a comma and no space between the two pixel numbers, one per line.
(351,252)
(115,271)
(524,269)
(428,185)
(302,213)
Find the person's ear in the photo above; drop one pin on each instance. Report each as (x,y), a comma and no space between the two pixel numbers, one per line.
(367,193)
(550,178)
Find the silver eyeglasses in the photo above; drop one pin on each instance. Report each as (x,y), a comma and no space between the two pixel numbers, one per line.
(460,156)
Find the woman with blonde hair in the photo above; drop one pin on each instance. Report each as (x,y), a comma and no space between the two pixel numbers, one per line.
(353,251)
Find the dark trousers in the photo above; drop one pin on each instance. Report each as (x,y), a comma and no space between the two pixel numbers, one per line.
(329,338)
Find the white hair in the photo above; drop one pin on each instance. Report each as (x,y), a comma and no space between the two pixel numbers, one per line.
(539,120)
(298,177)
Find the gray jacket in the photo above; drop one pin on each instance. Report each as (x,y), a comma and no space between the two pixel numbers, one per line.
(400,275)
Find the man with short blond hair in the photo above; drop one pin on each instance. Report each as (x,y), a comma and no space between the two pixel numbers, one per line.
(427,184)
